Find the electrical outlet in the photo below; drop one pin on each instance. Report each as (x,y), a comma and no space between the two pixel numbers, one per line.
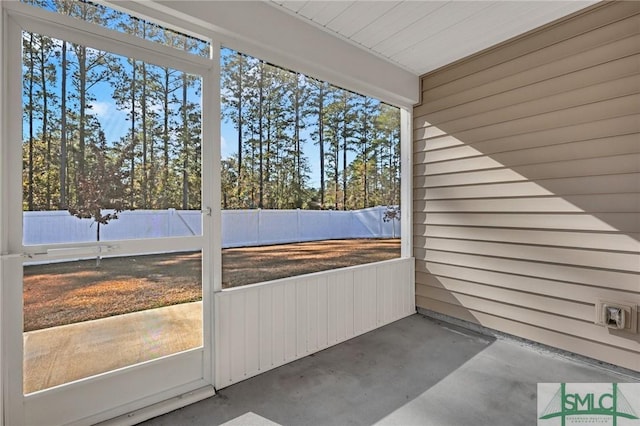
(617,315)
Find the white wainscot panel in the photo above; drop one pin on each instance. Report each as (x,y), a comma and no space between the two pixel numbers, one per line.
(263,326)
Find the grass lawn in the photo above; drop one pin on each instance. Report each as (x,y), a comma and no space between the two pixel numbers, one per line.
(64,293)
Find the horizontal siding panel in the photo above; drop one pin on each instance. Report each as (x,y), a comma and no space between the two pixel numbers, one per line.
(590,258)
(617,49)
(421,169)
(594,129)
(604,165)
(625,105)
(533,285)
(610,146)
(599,241)
(427,132)
(624,222)
(567,308)
(536,142)
(584,329)
(440,142)
(495,175)
(597,93)
(599,203)
(455,152)
(623,183)
(554,139)
(536,41)
(625,281)
(557,86)
(598,350)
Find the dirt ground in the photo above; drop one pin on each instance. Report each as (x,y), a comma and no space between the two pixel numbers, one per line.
(65,293)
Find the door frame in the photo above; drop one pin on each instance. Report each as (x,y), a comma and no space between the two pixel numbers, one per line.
(191,372)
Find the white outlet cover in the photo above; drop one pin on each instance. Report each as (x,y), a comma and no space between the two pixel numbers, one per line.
(630,315)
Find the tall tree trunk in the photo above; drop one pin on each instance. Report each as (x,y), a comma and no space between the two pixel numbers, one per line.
(336,167)
(364,163)
(392,177)
(82,72)
(145,164)
(267,169)
(132,148)
(165,141)
(45,122)
(31,126)
(321,140)
(344,173)
(63,130)
(240,125)
(344,158)
(298,177)
(185,143)
(260,136)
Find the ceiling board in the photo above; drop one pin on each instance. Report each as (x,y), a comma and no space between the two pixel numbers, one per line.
(420,36)
(312,8)
(330,11)
(358,15)
(394,21)
(466,35)
(434,23)
(294,6)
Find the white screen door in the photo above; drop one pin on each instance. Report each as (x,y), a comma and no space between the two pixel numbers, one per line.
(110,222)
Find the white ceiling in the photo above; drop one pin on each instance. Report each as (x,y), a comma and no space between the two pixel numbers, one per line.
(421,36)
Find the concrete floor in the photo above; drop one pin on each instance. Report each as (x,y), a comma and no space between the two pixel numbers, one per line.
(417,371)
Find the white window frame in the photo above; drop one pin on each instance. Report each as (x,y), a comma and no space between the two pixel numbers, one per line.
(16,17)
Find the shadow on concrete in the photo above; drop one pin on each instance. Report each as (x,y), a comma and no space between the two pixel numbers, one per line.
(416,371)
(356,382)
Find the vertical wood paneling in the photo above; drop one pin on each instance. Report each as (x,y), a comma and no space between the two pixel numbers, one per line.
(381,279)
(332,309)
(252,332)
(358,303)
(264,326)
(349,304)
(237,339)
(341,291)
(312,315)
(388,295)
(302,318)
(278,325)
(222,346)
(371,282)
(289,326)
(323,313)
(526,178)
(265,318)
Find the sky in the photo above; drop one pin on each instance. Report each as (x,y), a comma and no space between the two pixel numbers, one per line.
(116,124)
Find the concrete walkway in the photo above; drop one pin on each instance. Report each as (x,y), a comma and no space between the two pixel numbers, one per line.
(58,355)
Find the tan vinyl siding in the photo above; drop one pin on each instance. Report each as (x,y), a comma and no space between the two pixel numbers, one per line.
(527,183)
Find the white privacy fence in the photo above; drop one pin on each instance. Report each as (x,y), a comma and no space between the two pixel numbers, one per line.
(240,228)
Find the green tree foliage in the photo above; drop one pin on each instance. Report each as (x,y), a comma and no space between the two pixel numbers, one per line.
(279,115)
(66,88)
(301,143)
